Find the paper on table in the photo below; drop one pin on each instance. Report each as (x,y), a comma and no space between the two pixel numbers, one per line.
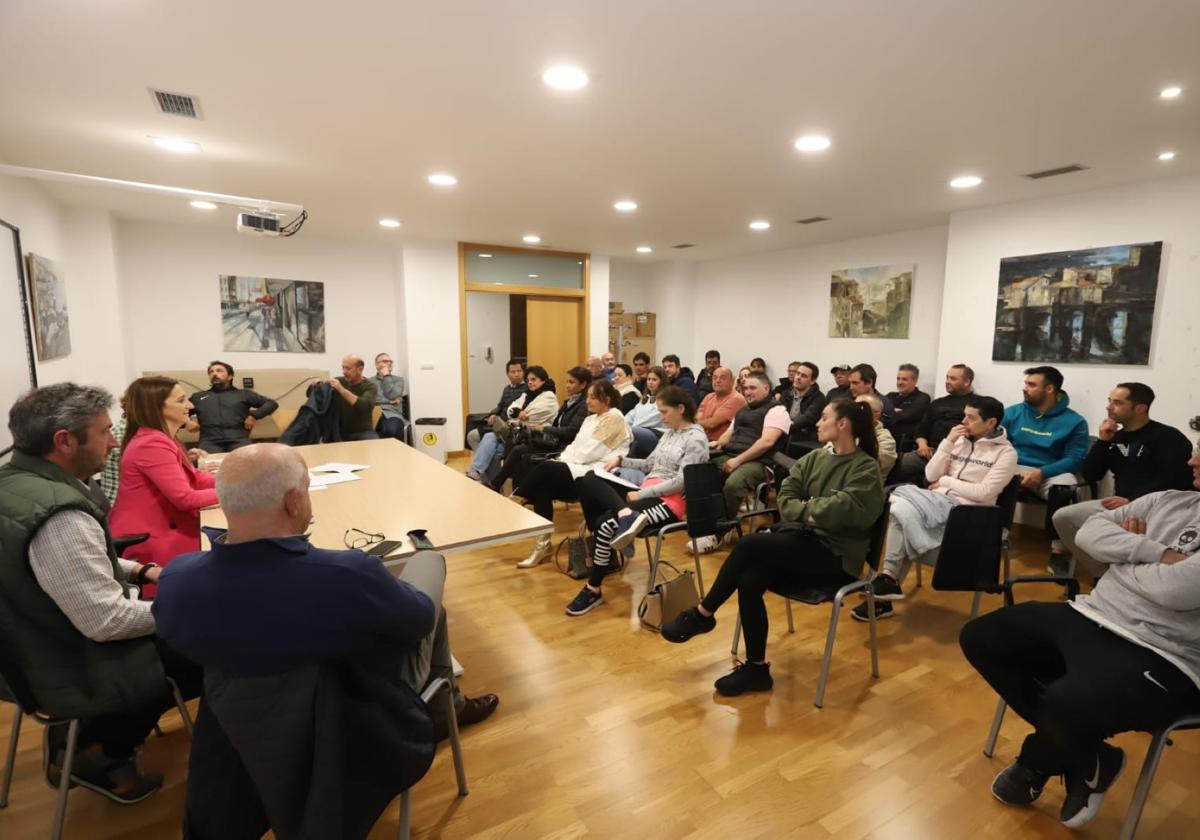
(325,479)
(614,478)
(333,466)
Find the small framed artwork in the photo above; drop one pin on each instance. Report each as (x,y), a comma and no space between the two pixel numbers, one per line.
(51,320)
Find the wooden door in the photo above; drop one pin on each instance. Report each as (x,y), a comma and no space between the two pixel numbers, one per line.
(554,337)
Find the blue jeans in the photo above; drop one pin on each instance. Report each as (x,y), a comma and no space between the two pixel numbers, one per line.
(391,427)
(644,442)
(490,449)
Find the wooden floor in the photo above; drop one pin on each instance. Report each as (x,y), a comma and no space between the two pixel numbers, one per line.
(605,730)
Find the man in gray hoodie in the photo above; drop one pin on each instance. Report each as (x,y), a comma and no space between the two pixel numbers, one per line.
(1124,657)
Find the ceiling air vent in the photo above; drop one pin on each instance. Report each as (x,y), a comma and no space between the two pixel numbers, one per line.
(812,220)
(177,104)
(1061,170)
(684,245)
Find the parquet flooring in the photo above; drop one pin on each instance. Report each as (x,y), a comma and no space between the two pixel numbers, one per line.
(605,730)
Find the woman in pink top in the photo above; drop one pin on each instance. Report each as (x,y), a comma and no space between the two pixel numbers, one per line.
(160,492)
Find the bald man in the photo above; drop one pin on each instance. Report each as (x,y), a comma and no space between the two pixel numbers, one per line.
(354,399)
(265,601)
(595,367)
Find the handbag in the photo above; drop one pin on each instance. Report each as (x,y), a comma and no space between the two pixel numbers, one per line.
(668,599)
(578,560)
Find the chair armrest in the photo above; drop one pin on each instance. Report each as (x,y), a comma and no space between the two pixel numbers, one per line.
(127,541)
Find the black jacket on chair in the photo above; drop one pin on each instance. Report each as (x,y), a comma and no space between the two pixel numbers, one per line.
(316,422)
(568,421)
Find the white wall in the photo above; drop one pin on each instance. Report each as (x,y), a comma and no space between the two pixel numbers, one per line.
(1166,210)
(776,305)
(598,297)
(632,283)
(172,300)
(488,325)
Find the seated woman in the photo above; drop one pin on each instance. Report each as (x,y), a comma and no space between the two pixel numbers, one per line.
(740,386)
(972,466)
(617,516)
(546,438)
(602,436)
(537,405)
(644,419)
(622,380)
(159,491)
(828,502)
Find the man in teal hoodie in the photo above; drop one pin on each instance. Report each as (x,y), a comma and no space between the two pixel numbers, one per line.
(1051,442)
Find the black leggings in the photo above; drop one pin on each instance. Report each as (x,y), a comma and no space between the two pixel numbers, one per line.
(548,481)
(762,562)
(599,499)
(1075,681)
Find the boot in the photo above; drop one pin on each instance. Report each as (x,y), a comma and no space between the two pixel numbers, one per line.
(541,550)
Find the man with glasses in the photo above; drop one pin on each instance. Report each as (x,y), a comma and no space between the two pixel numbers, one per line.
(390,398)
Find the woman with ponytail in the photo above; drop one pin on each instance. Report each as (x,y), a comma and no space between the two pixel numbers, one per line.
(828,502)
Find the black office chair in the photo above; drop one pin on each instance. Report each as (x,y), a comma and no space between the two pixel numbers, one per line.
(837,595)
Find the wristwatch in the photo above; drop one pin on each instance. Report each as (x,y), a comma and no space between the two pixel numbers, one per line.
(139,577)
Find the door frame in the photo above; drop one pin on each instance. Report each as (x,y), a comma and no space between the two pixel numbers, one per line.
(529,291)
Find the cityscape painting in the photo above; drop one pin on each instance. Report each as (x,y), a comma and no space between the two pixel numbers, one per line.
(261,314)
(1094,306)
(870,302)
(51,322)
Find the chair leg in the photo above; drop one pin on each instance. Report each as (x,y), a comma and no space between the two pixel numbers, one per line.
(460,770)
(405,813)
(737,634)
(919,564)
(975,602)
(181,705)
(12,755)
(787,605)
(654,558)
(994,732)
(874,635)
(64,784)
(699,571)
(1146,778)
(829,637)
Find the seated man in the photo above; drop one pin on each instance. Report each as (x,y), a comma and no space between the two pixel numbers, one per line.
(69,616)
(704,384)
(884,442)
(1144,456)
(225,414)
(909,404)
(609,362)
(1124,657)
(595,367)
(780,391)
(353,399)
(641,366)
(389,397)
(972,466)
(680,376)
(324,605)
(1051,442)
(943,414)
(719,407)
(804,402)
(746,447)
(861,381)
(841,383)
(515,371)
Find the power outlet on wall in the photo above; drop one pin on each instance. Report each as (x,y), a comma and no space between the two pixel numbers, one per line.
(248,383)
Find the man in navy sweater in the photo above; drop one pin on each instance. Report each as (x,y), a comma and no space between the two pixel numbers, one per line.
(1144,456)
(265,601)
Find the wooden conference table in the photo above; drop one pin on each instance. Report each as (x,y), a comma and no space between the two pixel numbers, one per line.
(402,490)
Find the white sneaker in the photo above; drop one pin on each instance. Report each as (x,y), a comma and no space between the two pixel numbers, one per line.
(474,476)
(629,534)
(703,545)
(541,550)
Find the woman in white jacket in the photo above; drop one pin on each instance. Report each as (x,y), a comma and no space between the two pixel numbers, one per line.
(972,466)
(537,405)
(603,435)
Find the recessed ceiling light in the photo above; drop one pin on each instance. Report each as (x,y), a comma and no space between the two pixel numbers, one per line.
(203,205)
(485,256)
(1166,156)
(965,182)
(174,144)
(531,238)
(759,224)
(565,77)
(1170,92)
(442,179)
(625,206)
(532,275)
(389,223)
(812,143)
(644,249)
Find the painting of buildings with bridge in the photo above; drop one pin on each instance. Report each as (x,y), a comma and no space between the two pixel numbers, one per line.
(870,302)
(261,314)
(1094,306)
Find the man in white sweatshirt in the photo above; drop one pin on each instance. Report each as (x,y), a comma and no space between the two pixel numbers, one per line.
(1124,657)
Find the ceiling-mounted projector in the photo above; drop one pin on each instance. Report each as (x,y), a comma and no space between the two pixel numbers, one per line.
(258,224)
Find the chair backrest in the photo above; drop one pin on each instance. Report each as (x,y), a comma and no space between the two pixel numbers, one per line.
(878,532)
(14,687)
(969,558)
(702,492)
(1007,502)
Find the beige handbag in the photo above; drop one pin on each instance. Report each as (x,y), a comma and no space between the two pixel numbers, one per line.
(668,599)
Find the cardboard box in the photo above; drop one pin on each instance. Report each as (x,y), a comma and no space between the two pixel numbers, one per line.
(644,324)
(628,320)
(616,306)
(633,346)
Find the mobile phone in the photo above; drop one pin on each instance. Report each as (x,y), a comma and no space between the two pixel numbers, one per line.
(383,549)
(419,539)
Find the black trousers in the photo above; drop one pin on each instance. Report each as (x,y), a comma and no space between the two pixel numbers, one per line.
(548,481)
(599,499)
(516,465)
(1076,682)
(215,445)
(775,562)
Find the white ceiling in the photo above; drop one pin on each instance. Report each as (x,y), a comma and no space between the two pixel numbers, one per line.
(692,110)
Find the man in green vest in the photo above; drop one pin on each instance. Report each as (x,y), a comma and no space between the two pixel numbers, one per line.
(76,639)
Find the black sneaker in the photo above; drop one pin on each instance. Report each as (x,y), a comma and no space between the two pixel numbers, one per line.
(1086,788)
(745,676)
(882,610)
(687,624)
(886,589)
(1017,784)
(120,780)
(1059,565)
(585,601)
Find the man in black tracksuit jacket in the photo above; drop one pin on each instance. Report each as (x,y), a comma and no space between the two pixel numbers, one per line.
(227,414)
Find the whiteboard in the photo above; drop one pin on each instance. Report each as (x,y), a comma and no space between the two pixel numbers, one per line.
(17,371)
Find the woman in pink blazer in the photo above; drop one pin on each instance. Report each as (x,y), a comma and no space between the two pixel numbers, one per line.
(160,492)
